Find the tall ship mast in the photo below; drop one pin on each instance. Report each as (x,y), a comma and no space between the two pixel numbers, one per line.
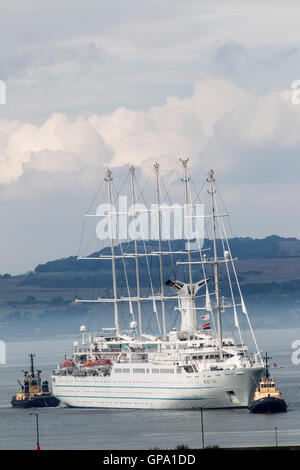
(192,365)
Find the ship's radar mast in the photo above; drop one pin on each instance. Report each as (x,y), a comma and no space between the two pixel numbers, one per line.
(31,364)
(267,364)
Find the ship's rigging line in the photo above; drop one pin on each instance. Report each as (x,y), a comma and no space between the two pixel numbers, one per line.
(224,238)
(163,215)
(122,252)
(208,301)
(227,248)
(82,234)
(244,309)
(84,220)
(147,263)
(173,264)
(131,311)
(145,251)
(232,238)
(150,278)
(168,240)
(101,187)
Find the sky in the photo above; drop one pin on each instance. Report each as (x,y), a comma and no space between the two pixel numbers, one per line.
(96,84)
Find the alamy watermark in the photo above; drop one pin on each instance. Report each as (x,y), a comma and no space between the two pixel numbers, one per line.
(2,92)
(139,222)
(2,352)
(296,354)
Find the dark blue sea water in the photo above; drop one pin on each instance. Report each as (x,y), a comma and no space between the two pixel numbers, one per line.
(66,428)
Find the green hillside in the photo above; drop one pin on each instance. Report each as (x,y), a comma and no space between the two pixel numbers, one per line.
(268,269)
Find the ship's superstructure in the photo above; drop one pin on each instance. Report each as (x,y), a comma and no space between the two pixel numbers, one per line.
(191,366)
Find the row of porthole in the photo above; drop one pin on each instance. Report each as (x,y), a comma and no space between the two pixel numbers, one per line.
(136,392)
(159,384)
(114,403)
(129,383)
(143,382)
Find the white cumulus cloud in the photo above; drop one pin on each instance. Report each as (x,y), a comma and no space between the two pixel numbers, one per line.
(219,125)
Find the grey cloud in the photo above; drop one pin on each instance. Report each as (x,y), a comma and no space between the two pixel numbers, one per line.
(280,57)
(229,56)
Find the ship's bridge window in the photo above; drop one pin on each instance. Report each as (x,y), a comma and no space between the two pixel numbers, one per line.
(188,369)
(139,371)
(82,357)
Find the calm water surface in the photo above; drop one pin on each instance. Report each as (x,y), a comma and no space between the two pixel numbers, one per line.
(70,428)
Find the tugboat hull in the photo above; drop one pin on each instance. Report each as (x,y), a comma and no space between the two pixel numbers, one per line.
(47,401)
(268,405)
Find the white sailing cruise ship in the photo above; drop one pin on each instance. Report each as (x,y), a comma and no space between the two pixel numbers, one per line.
(191,367)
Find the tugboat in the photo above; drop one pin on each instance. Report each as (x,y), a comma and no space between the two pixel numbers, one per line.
(33,393)
(267,397)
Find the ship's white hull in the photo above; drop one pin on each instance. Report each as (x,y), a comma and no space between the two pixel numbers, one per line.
(217,389)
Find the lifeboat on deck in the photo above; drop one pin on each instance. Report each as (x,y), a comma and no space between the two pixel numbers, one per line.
(69,363)
(99,362)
